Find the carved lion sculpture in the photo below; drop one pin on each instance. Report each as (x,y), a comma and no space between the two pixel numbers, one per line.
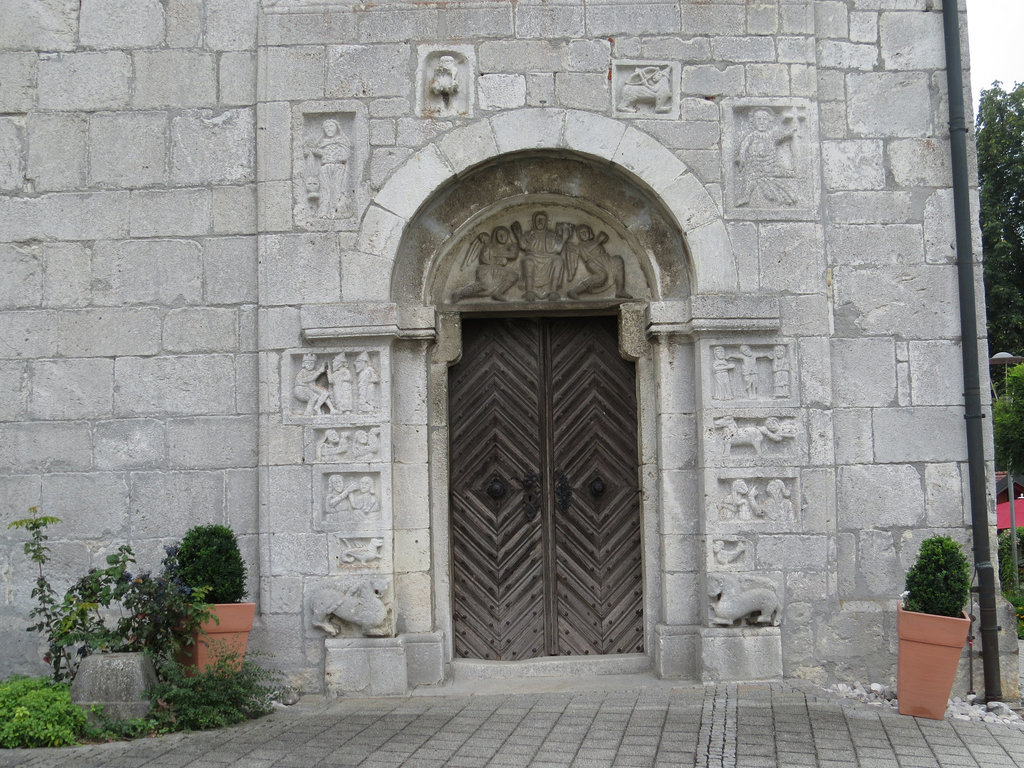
(363,605)
(733,603)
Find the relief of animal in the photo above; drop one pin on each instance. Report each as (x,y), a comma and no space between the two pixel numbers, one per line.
(733,603)
(363,606)
(360,551)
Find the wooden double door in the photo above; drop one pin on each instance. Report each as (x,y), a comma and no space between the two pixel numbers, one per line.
(545,503)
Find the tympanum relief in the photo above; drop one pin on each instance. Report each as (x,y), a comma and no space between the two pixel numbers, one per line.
(769,158)
(645,89)
(547,259)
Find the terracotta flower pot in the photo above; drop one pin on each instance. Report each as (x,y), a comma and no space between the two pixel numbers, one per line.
(229,634)
(929,651)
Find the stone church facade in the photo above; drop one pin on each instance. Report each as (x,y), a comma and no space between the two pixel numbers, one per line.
(619,332)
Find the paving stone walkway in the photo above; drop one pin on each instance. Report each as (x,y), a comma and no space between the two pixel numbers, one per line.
(746,726)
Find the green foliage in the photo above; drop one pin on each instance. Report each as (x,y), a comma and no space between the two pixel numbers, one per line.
(1005,551)
(209,557)
(1000,138)
(158,614)
(224,693)
(938,582)
(1017,600)
(1008,422)
(35,712)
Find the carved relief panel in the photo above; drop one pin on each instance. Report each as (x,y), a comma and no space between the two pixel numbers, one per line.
(355,553)
(645,89)
(752,499)
(542,252)
(749,373)
(770,158)
(445,81)
(730,553)
(329,154)
(351,606)
(747,599)
(746,436)
(340,445)
(352,501)
(337,387)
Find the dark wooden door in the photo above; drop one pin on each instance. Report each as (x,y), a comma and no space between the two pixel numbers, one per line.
(545,509)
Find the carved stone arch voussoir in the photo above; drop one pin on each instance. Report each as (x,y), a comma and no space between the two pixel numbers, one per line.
(392,230)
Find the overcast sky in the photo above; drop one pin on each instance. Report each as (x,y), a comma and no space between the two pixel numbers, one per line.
(996,29)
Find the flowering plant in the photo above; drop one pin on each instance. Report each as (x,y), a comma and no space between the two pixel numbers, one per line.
(157,613)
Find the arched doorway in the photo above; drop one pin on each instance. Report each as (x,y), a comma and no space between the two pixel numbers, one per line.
(603,248)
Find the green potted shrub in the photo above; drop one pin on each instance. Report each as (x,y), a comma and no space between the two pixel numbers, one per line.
(208,558)
(932,627)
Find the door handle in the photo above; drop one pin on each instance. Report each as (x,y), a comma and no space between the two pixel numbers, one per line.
(563,493)
(496,488)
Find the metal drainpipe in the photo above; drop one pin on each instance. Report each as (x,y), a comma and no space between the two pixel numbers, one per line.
(969,348)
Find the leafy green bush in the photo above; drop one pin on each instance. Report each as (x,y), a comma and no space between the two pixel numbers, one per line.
(938,582)
(159,614)
(35,712)
(1006,557)
(224,693)
(208,557)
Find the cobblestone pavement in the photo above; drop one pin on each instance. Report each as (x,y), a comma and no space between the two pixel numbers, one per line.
(747,726)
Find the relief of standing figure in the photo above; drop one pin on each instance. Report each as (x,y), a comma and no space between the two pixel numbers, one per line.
(780,372)
(327,171)
(367,384)
(340,379)
(721,368)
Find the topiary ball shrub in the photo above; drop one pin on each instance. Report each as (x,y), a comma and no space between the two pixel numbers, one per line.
(208,557)
(939,581)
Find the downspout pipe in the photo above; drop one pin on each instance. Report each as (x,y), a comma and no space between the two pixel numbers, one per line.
(969,350)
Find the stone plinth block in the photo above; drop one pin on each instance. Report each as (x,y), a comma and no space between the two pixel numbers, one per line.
(740,653)
(117,681)
(424,658)
(675,650)
(366,666)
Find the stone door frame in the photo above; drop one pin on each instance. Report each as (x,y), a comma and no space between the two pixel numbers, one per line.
(661,333)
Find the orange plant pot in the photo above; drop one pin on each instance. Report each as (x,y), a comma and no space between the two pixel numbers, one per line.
(227,635)
(929,651)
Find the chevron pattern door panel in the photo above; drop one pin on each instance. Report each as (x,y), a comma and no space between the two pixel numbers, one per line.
(598,568)
(545,514)
(494,460)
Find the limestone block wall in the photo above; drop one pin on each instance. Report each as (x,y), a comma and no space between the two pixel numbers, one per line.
(128,365)
(196,196)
